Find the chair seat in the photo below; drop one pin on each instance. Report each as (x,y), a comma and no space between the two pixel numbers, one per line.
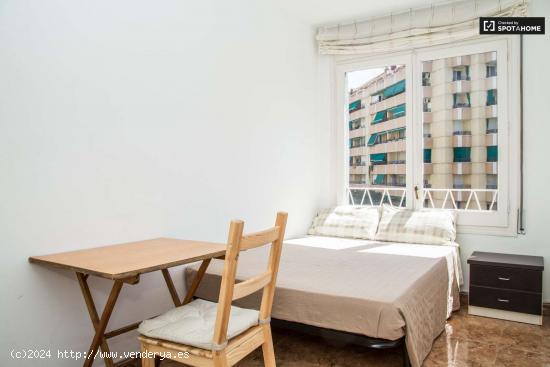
(193,324)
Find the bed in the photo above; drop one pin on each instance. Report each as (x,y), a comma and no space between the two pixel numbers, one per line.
(383,290)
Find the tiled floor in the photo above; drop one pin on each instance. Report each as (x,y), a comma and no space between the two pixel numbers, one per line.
(466,341)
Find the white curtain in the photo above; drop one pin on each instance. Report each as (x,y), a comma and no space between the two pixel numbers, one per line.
(414,28)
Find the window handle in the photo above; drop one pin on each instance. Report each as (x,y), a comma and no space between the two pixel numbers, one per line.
(503,300)
(501,278)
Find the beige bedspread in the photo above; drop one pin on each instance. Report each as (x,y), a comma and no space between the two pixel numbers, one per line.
(379,289)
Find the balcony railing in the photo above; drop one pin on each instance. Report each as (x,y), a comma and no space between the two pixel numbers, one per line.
(461,105)
(462,132)
(397,161)
(492,186)
(491,131)
(462,186)
(445,198)
(457,78)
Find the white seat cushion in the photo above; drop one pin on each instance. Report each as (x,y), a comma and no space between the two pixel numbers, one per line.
(193,324)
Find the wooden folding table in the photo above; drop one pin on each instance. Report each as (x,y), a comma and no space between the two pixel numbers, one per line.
(125,263)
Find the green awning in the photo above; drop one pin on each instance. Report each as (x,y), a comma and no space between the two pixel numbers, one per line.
(492,153)
(355,105)
(427,156)
(461,154)
(394,89)
(396,130)
(379,117)
(379,179)
(398,111)
(378,158)
(372,139)
(491,97)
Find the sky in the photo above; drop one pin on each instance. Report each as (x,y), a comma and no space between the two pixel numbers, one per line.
(359,77)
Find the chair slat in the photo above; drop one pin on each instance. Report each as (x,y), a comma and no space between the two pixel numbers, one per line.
(251,285)
(259,238)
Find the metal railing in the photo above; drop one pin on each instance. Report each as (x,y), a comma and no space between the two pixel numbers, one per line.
(445,198)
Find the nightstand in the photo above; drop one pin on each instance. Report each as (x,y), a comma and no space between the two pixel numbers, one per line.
(505,286)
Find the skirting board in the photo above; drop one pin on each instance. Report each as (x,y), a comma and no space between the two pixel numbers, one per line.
(505,315)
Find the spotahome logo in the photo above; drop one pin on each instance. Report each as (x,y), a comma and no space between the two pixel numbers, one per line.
(511,25)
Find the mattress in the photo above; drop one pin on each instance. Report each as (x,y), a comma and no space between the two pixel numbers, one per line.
(382,290)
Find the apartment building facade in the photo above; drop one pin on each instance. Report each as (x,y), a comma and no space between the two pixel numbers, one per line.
(459,127)
(377,131)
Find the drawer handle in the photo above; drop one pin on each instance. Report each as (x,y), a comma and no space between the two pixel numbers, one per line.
(503,300)
(501,278)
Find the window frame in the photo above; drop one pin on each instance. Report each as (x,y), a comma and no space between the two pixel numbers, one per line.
(504,220)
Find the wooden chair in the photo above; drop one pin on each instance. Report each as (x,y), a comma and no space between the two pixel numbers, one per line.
(225,352)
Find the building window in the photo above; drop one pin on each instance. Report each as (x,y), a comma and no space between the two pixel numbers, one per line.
(427,156)
(461,154)
(491,97)
(492,126)
(354,106)
(491,69)
(452,132)
(492,154)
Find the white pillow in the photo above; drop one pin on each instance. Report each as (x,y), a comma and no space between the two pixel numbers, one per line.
(430,227)
(347,221)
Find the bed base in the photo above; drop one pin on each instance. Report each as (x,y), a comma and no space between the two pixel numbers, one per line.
(345,337)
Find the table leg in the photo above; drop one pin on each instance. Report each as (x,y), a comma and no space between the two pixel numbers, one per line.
(196,282)
(101,324)
(171,287)
(82,281)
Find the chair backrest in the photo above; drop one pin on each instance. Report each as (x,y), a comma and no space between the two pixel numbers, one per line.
(230,291)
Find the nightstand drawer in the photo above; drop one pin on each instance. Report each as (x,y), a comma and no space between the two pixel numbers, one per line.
(504,299)
(503,277)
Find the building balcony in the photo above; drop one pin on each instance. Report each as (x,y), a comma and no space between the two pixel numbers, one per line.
(358,183)
(428,169)
(462,139)
(491,168)
(355,133)
(428,141)
(388,103)
(491,111)
(461,86)
(458,61)
(358,151)
(388,147)
(427,91)
(389,169)
(491,139)
(491,82)
(461,195)
(388,125)
(426,117)
(462,112)
(462,168)
(358,114)
(359,169)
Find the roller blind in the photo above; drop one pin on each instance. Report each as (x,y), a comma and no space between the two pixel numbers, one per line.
(415,28)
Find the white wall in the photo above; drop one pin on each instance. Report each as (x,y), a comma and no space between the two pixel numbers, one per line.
(536,156)
(128,120)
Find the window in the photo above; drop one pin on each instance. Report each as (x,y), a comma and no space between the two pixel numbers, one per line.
(354,106)
(385,90)
(453,148)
